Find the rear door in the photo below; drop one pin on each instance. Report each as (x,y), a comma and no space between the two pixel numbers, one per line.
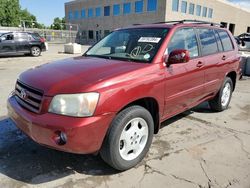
(22,43)
(7,44)
(217,50)
(184,84)
(212,57)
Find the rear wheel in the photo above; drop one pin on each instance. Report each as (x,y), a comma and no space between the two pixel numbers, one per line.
(223,98)
(35,51)
(128,139)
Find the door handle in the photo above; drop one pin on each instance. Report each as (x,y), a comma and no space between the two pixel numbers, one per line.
(200,64)
(224,57)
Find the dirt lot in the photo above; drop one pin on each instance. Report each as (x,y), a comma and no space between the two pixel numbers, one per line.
(198,148)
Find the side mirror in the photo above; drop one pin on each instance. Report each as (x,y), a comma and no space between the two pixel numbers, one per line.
(178,56)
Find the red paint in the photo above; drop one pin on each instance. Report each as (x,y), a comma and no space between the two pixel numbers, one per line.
(175,88)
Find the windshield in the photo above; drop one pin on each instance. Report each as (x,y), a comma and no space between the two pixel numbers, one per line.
(130,44)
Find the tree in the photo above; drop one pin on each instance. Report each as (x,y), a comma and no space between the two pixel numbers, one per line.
(9,13)
(58,24)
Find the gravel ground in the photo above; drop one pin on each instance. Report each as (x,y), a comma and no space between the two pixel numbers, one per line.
(197,148)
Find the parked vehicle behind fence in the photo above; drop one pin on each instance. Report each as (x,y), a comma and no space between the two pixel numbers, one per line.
(15,43)
(113,99)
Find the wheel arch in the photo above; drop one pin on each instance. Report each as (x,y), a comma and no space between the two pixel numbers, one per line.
(233,76)
(152,105)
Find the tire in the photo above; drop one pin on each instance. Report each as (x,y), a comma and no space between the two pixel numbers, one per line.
(223,98)
(35,51)
(124,135)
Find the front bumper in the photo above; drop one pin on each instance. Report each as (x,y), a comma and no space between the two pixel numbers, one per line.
(84,135)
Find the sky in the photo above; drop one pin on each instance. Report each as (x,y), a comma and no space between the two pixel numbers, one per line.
(47,10)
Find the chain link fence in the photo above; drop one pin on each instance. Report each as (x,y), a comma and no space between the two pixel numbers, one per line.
(51,36)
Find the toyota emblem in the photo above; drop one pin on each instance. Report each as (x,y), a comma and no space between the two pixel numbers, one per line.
(23,94)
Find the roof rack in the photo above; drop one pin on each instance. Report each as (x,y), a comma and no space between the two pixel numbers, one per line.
(191,21)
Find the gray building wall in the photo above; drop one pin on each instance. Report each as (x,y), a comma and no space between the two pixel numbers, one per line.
(100,26)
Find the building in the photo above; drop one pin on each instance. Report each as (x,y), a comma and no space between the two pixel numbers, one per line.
(96,18)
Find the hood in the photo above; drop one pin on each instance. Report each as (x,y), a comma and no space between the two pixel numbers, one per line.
(75,75)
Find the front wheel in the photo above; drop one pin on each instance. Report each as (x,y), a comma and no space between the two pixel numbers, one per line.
(223,98)
(35,51)
(128,139)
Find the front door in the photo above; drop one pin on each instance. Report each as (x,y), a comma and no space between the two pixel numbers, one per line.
(184,83)
(7,44)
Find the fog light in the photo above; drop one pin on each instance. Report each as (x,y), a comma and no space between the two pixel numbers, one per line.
(61,138)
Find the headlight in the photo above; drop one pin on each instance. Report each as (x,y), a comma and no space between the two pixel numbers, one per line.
(77,105)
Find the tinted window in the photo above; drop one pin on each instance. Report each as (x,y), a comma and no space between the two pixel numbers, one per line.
(218,41)
(7,37)
(21,37)
(226,41)
(90,13)
(175,5)
(208,41)
(98,12)
(204,12)
(191,8)
(91,35)
(107,11)
(83,13)
(116,10)
(126,8)
(198,10)
(76,14)
(184,39)
(184,6)
(70,15)
(139,6)
(210,13)
(152,5)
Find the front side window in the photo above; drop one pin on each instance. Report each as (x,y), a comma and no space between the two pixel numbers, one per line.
(139,6)
(116,10)
(130,44)
(107,11)
(6,37)
(184,39)
(184,6)
(208,41)
(126,8)
(152,5)
(198,10)
(226,41)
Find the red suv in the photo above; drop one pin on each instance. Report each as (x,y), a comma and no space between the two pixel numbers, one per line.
(113,98)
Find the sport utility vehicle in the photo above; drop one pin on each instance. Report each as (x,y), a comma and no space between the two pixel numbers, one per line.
(21,43)
(114,98)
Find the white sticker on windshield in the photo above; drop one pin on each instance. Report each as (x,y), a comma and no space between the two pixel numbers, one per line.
(149,39)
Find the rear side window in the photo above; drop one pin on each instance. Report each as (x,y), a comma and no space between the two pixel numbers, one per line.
(226,41)
(21,37)
(208,41)
(219,41)
(184,39)
(35,36)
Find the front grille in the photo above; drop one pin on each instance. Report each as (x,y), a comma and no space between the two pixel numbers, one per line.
(28,97)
